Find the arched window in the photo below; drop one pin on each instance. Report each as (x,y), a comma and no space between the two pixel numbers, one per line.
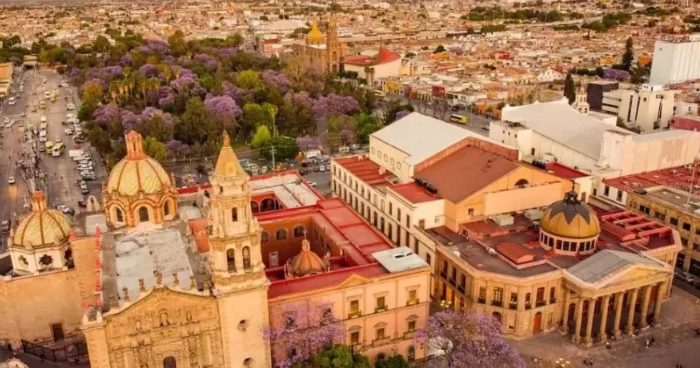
(246,258)
(169,362)
(143,215)
(120,215)
(166,208)
(264,237)
(254,206)
(231,260)
(522,183)
(298,231)
(281,234)
(234,214)
(411,353)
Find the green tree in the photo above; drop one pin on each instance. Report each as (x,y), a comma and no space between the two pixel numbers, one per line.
(92,94)
(340,356)
(366,125)
(84,113)
(177,43)
(394,107)
(628,56)
(248,79)
(193,122)
(261,137)
(255,115)
(153,148)
(396,361)
(439,49)
(599,71)
(101,44)
(285,148)
(570,88)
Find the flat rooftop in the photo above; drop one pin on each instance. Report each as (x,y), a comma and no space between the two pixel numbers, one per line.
(366,170)
(515,250)
(414,193)
(677,177)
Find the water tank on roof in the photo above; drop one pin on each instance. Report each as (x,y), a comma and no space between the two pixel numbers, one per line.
(533,214)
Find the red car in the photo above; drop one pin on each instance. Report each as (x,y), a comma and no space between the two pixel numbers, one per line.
(76,146)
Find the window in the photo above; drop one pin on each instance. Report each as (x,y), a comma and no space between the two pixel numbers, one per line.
(513,301)
(264,237)
(470,212)
(398,215)
(427,259)
(327,314)
(411,353)
(411,326)
(412,296)
(408,221)
(444,269)
(234,214)
(298,231)
(552,295)
(289,321)
(686,226)
(246,258)
(540,297)
(482,294)
(143,214)
(527,301)
(619,195)
(166,208)
(231,260)
(355,306)
(381,304)
(355,338)
(674,221)
(380,333)
(606,192)
(390,208)
(281,234)
(462,282)
(120,215)
(497,296)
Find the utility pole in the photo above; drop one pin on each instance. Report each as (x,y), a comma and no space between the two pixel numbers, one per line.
(272,151)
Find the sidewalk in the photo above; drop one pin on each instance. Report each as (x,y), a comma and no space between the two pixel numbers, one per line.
(679,317)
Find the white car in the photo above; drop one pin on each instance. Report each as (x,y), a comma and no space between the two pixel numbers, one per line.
(42,139)
(68,131)
(70,116)
(11,180)
(6,120)
(58,140)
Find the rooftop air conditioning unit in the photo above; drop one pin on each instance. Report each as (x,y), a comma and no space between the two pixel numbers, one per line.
(548,157)
(504,220)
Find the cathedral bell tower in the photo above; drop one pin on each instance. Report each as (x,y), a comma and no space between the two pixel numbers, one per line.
(234,233)
(334,48)
(235,264)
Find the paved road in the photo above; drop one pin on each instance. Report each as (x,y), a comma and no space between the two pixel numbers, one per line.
(61,173)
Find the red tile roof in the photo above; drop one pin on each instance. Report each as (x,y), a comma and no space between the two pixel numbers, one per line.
(514,252)
(384,56)
(366,170)
(565,171)
(677,177)
(413,193)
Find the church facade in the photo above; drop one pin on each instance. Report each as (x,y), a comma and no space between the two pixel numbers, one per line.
(322,53)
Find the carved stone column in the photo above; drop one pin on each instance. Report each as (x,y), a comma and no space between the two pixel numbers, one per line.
(588,340)
(630,315)
(619,301)
(565,318)
(661,292)
(645,305)
(604,318)
(579,319)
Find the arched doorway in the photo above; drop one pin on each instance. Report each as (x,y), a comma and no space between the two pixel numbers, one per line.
(497,316)
(254,206)
(169,362)
(268,204)
(537,323)
(572,314)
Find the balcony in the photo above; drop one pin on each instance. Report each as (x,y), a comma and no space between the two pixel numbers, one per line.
(481,301)
(540,303)
(355,314)
(513,305)
(381,342)
(380,309)
(412,302)
(528,305)
(552,301)
(497,303)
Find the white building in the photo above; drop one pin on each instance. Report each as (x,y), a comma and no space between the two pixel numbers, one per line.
(676,61)
(549,75)
(650,108)
(556,132)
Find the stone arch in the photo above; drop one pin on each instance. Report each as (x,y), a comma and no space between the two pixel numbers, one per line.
(247,265)
(281,234)
(143,213)
(254,206)
(169,362)
(118,215)
(299,231)
(522,183)
(497,316)
(231,260)
(268,204)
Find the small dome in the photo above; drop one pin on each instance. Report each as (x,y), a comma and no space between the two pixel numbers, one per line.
(42,227)
(570,218)
(137,172)
(314,35)
(306,263)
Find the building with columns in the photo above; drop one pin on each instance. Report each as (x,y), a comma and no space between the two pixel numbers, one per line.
(507,238)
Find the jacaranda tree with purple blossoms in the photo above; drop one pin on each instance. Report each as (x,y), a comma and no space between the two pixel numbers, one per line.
(467,340)
(299,330)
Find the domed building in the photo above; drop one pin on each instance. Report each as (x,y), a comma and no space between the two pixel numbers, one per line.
(40,242)
(138,189)
(306,263)
(570,227)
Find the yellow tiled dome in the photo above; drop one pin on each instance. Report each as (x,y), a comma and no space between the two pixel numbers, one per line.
(137,172)
(570,218)
(314,35)
(42,227)
(306,263)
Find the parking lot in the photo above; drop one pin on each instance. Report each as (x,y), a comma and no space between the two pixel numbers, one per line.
(27,161)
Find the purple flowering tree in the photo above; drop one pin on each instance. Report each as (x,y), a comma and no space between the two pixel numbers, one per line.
(615,74)
(401,114)
(222,108)
(105,115)
(276,79)
(149,71)
(465,340)
(307,143)
(173,147)
(299,330)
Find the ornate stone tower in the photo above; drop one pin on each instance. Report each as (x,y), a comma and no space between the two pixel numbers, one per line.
(334,48)
(581,102)
(236,267)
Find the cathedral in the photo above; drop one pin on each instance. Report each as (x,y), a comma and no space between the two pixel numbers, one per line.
(202,276)
(322,53)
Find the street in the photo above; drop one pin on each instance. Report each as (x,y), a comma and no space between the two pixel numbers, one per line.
(57,176)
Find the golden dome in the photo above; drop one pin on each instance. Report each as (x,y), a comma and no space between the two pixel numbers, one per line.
(306,263)
(569,218)
(314,35)
(42,227)
(137,172)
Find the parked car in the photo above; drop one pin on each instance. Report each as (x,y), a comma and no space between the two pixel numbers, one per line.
(685,277)
(6,226)
(85,191)
(11,180)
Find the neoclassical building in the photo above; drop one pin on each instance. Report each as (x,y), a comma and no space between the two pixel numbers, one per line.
(139,189)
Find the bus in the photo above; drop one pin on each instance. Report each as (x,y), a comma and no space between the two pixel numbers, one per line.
(459,119)
(58,149)
(49,147)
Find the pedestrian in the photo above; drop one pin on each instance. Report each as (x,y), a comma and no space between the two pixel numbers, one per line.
(652,341)
(608,345)
(646,343)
